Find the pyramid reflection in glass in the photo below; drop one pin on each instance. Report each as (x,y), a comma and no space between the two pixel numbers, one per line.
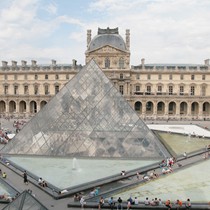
(87,118)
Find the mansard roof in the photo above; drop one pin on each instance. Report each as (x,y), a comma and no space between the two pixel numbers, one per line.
(109,37)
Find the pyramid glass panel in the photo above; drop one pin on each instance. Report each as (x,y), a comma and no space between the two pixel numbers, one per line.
(25,201)
(88,118)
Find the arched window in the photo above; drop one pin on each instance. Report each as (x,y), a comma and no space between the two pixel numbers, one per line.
(137,106)
(107,63)
(121,63)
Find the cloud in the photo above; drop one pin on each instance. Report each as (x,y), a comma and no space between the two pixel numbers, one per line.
(162,31)
(25,34)
(51,8)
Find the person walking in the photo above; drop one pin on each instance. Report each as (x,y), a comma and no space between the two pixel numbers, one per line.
(25,178)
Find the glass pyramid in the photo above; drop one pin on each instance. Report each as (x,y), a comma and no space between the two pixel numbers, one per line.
(25,201)
(87,118)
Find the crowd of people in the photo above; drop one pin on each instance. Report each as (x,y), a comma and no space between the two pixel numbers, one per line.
(147,202)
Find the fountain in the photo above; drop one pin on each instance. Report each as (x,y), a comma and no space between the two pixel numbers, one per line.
(75,165)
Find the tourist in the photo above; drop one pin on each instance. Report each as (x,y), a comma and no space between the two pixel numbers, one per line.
(119,206)
(25,178)
(96,191)
(123,173)
(188,204)
(82,201)
(76,197)
(168,204)
(131,200)
(137,175)
(40,181)
(153,175)
(111,203)
(136,201)
(44,184)
(146,177)
(147,202)
(156,201)
(152,203)
(128,205)
(160,202)
(185,155)
(4,175)
(92,193)
(101,203)
(178,203)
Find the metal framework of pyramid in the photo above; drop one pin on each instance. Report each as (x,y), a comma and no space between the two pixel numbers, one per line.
(87,118)
(25,201)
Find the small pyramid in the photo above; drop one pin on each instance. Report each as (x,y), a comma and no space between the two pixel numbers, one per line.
(25,201)
(87,118)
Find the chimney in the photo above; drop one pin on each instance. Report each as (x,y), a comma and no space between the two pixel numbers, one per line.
(206,62)
(142,61)
(4,63)
(33,62)
(23,63)
(54,62)
(14,63)
(127,39)
(88,37)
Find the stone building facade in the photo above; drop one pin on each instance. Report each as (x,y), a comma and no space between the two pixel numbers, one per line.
(155,91)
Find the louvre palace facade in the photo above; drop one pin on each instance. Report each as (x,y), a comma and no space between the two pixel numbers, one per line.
(155,91)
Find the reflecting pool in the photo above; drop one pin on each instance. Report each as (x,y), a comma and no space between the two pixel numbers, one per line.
(179,143)
(65,172)
(192,182)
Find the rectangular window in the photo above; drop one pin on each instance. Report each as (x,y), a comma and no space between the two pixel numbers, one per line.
(192,77)
(56,76)
(15,89)
(159,90)
(159,76)
(137,88)
(181,90)
(35,76)
(5,76)
(46,90)
(56,89)
(203,91)
(192,90)
(36,90)
(148,76)
(25,76)
(46,76)
(15,77)
(26,89)
(148,90)
(170,76)
(67,76)
(170,90)
(5,90)
(203,77)
(181,76)
(121,76)
(121,89)
(137,76)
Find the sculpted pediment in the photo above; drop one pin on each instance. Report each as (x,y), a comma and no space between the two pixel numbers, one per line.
(107,49)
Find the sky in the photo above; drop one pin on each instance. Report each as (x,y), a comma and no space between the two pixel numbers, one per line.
(161,31)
